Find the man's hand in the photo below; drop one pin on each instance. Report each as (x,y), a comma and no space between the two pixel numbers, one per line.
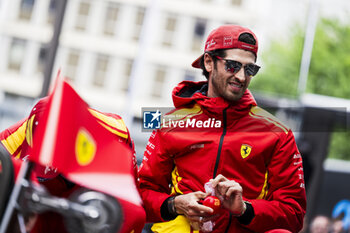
(187,204)
(230,193)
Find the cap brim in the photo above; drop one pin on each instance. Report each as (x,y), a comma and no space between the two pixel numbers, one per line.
(197,62)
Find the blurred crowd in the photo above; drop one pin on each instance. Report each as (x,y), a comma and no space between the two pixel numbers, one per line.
(324,224)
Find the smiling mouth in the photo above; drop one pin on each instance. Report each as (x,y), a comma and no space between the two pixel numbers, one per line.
(235,84)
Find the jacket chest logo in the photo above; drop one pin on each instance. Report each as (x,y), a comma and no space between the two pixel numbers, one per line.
(245,150)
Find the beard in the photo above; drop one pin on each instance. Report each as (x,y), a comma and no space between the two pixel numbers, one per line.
(221,87)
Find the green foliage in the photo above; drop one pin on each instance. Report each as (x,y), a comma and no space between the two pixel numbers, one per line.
(339,145)
(280,69)
(329,67)
(330,64)
(328,74)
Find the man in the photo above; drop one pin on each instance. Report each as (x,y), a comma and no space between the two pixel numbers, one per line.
(250,160)
(17,140)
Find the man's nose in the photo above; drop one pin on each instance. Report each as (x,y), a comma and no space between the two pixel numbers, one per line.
(240,75)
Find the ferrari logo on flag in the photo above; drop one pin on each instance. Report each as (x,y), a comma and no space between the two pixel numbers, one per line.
(85,147)
(245,150)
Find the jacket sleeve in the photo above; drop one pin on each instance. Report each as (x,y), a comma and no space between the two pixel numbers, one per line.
(155,176)
(285,203)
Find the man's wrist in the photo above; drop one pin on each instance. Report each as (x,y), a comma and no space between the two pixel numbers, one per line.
(168,209)
(171,206)
(247,214)
(242,212)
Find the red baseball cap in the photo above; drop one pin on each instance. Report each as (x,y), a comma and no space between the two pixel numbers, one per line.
(227,37)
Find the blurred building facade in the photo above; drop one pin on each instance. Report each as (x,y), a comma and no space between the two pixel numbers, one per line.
(100,41)
(115,61)
(121,55)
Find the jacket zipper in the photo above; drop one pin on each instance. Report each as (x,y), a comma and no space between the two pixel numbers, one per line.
(218,157)
(220,144)
(229,223)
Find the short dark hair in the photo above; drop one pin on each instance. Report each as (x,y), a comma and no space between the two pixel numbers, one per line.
(213,54)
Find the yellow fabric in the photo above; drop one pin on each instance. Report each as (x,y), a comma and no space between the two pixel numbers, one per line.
(120,134)
(179,225)
(258,112)
(16,139)
(176,178)
(264,190)
(111,122)
(29,131)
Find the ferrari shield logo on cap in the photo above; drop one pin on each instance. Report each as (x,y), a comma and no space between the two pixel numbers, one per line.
(245,150)
(85,147)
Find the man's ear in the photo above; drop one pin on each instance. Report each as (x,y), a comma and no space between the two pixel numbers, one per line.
(208,62)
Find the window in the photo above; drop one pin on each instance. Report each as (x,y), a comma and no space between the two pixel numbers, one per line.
(170,24)
(82,16)
(52,11)
(72,64)
(159,80)
(198,35)
(170,27)
(140,15)
(124,84)
(101,67)
(111,18)
(42,59)
(236,2)
(26,9)
(16,54)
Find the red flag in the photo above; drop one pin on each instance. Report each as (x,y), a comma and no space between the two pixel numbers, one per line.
(70,139)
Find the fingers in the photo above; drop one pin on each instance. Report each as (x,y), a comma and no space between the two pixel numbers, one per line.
(195,217)
(200,195)
(229,192)
(225,187)
(219,178)
(228,189)
(232,190)
(196,213)
(202,209)
(188,205)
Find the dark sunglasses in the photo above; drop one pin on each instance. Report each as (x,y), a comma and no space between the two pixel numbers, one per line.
(235,66)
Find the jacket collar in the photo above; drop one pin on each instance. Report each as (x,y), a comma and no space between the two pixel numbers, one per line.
(187,93)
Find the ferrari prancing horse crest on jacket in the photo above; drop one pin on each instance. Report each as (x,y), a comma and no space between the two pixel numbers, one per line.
(245,150)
